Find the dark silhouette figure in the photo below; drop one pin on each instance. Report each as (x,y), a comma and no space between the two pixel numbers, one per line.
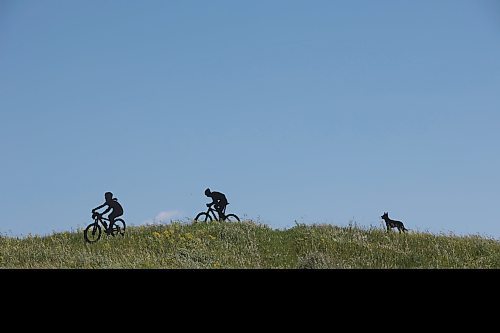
(393,223)
(113,206)
(219,201)
(93,231)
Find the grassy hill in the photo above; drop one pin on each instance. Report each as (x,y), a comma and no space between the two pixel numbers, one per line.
(250,245)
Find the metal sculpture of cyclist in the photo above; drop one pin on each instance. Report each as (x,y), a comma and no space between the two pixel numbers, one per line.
(113,206)
(218,213)
(219,201)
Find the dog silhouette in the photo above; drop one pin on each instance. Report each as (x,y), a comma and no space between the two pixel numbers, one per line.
(393,223)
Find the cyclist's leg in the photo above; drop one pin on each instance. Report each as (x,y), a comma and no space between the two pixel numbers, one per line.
(220,212)
(104,224)
(111,218)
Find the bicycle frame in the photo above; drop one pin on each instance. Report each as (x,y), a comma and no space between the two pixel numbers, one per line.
(211,215)
(214,214)
(93,231)
(101,219)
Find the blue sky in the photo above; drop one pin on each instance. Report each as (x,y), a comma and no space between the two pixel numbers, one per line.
(309,111)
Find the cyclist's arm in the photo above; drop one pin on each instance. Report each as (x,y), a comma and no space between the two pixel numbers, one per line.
(107,210)
(97,208)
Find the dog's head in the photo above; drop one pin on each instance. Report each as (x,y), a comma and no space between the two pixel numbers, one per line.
(385,216)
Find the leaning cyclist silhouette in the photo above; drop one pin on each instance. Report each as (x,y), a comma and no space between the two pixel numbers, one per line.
(113,206)
(219,201)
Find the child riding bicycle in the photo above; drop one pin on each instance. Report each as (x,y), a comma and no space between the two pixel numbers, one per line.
(113,206)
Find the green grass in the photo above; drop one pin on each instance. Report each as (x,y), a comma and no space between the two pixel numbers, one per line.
(250,245)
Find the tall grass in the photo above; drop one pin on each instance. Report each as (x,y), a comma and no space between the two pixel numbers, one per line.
(250,245)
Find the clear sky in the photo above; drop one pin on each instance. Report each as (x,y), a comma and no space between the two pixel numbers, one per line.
(316,111)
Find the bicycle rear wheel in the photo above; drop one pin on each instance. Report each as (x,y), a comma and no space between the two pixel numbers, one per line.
(203,217)
(231,218)
(92,233)
(119,227)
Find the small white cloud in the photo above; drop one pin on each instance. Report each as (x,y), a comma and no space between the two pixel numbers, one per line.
(166,215)
(161,217)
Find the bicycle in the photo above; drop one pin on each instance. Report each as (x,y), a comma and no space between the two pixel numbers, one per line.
(210,216)
(93,231)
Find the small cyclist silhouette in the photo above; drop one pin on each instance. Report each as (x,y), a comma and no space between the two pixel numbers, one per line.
(116,226)
(93,231)
(219,201)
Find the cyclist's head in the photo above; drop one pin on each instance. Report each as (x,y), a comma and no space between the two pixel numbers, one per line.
(108,196)
(207,192)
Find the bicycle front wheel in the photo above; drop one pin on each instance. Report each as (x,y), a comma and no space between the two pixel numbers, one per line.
(232,218)
(203,217)
(118,227)
(92,233)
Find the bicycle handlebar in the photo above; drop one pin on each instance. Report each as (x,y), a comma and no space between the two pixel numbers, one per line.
(98,216)
(213,204)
